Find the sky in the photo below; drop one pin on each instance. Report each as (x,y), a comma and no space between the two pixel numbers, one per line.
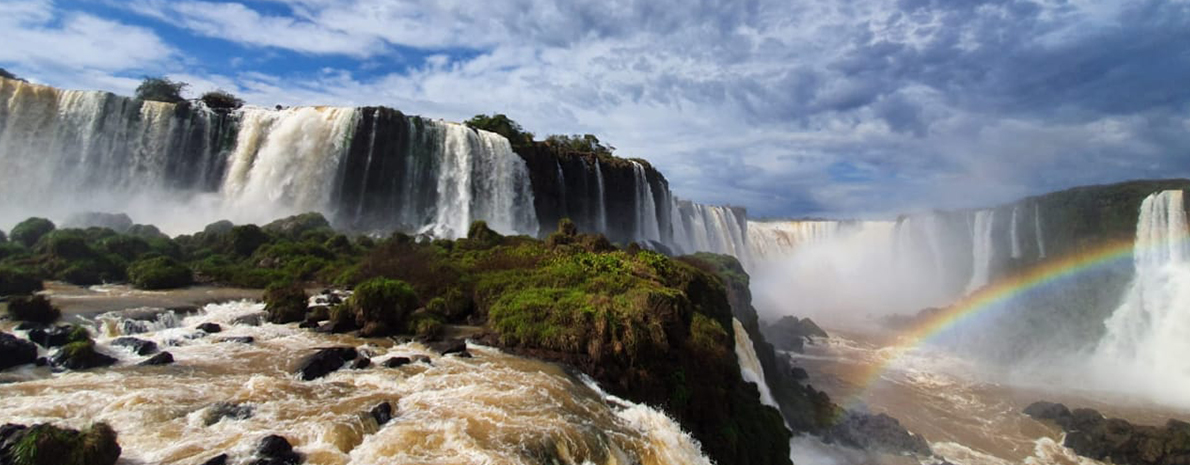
(791,108)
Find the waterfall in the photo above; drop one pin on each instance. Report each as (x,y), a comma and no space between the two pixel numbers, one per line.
(768,241)
(750,367)
(1014,236)
(1037,230)
(709,228)
(183,166)
(601,198)
(982,249)
(1145,345)
(647,225)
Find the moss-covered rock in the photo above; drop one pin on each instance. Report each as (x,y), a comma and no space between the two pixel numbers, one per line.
(381,306)
(28,232)
(80,355)
(35,309)
(46,444)
(18,281)
(159,273)
(285,303)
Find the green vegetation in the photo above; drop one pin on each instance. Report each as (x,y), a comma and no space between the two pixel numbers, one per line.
(28,232)
(221,100)
(159,273)
(285,303)
(36,309)
(161,89)
(381,306)
(18,281)
(586,143)
(504,126)
(47,444)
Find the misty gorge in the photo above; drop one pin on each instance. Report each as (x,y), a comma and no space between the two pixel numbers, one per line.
(194,278)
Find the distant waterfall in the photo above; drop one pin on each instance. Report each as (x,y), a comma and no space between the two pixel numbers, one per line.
(708,228)
(646,207)
(750,367)
(982,251)
(1014,236)
(773,240)
(1146,342)
(1037,230)
(601,204)
(183,166)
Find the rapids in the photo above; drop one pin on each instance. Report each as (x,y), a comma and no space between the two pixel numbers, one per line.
(492,409)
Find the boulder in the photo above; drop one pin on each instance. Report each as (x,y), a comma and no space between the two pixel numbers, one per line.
(382,413)
(46,444)
(220,459)
(877,433)
(237,339)
(1051,411)
(275,450)
(51,336)
(210,328)
(15,351)
(361,363)
(395,362)
(790,333)
(324,361)
(252,319)
(220,410)
(80,355)
(1091,435)
(449,346)
(163,358)
(137,346)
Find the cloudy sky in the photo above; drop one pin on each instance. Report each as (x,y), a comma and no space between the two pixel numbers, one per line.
(836,108)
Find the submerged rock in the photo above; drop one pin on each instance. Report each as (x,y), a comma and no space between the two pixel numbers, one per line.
(238,339)
(220,459)
(325,361)
(276,450)
(15,351)
(80,355)
(252,319)
(395,362)
(51,336)
(219,411)
(361,363)
(449,346)
(382,413)
(163,358)
(138,346)
(210,328)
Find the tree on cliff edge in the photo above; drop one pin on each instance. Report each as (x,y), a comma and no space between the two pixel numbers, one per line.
(161,89)
(7,75)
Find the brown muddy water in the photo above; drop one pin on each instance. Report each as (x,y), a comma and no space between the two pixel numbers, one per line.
(493,408)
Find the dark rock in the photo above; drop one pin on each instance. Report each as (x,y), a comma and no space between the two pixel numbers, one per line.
(220,410)
(382,413)
(238,339)
(463,354)
(396,362)
(449,346)
(80,356)
(1043,410)
(361,363)
(46,444)
(325,361)
(423,359)
(49,337)
(1090,434)
(275,450)
(308,323)
(210,328)
(15,351)
(790,333)
(799,374)
(163,358)
(877,433)
(253,319)
(138,346)
(220,459)
(41,361)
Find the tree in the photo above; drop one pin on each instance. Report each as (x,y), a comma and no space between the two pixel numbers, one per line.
(161,89)
(504,126)
(7,75)
(221,100)
(580,143)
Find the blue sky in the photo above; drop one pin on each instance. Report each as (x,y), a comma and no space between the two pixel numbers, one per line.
(789,107)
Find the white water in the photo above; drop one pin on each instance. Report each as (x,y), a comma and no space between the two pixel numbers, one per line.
(646,207)
(774,240)
(1144,349)
(490,409)
(602,204)
(64,152)
(709,228)
(982,249)
(750,367)
(1038,231)
(1014,236)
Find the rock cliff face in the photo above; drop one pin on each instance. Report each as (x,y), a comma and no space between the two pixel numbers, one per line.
(1092,435)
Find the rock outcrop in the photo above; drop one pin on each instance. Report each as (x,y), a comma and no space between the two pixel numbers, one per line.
(1094,436)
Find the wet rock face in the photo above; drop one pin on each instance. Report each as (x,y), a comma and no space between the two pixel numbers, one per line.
(46,444)
(53,336)
(163,358)
(325,361)
(276,450)
(878,433)
(137,346)
(1094,436)
(791,334)
(226,410)
(15,351)
(80,356)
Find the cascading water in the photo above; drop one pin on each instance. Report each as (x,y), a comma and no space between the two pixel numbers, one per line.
(183,166)
(982,249)
(1145,345)
(1014,236)
(601,198)
(646,206)
(769,241)
(707,228)
(750,367)
(1037,230)
(494,408)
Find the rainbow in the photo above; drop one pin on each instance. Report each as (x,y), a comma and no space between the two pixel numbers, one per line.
(990,296)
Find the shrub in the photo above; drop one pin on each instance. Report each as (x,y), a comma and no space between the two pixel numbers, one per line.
(46,444)
(18,281)
(159,273)
(382,305)
(3,237)
(426,324)
(246,239)
(28,232)
(125,246)
(35,309)
(285,303)
(221,100)
(503,126)
(161,89)
(295,226)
